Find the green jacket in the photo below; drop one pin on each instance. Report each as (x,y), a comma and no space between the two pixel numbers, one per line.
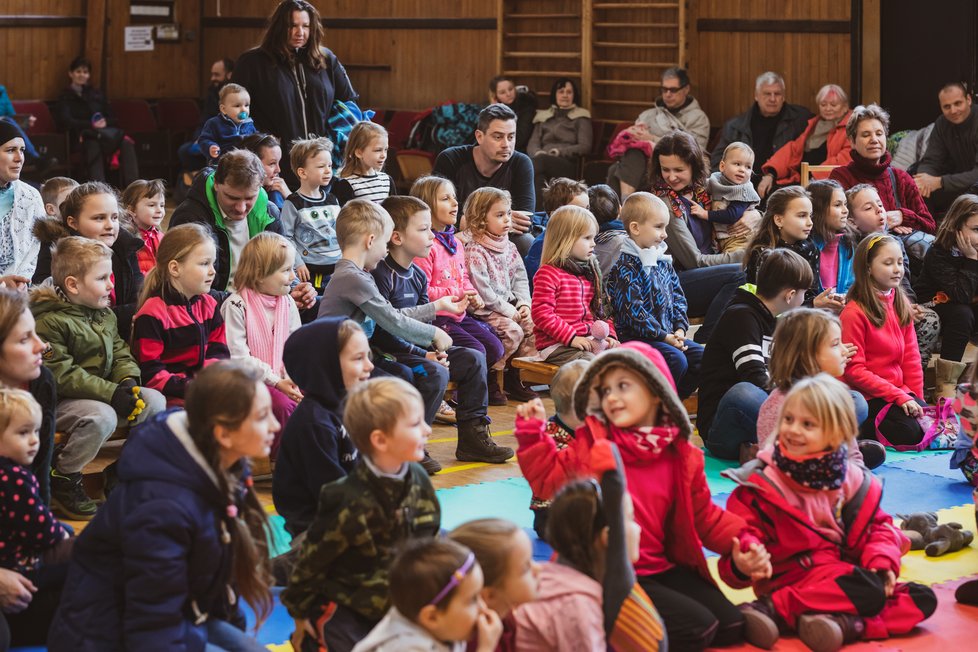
(87,356)
(351,542)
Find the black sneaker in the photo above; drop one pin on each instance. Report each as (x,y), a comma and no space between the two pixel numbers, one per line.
(873,452)
(430,464)
(476,445)
(68,497)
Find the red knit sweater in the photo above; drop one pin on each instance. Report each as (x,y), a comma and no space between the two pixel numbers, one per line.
(561,307)
(887,362)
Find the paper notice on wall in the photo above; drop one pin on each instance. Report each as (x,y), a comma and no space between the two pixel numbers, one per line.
(139,38)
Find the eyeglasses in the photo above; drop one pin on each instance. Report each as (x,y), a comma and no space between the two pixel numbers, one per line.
(669,91)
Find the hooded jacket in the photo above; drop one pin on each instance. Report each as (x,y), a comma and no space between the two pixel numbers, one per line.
(869,538)
(567,614)
(86,354)
(904,196)
(785,164)
(694,520)
(395,633)
(200,207)
(315,449)
(152,563)
(126,275)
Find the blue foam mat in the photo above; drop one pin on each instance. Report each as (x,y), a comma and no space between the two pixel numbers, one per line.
(936,465)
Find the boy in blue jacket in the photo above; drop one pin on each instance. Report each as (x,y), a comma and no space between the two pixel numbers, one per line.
(227,129)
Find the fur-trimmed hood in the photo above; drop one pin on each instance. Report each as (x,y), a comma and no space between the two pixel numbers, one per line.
(49,230)
(647,363)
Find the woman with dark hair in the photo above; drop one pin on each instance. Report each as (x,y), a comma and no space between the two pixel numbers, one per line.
(183,535)
(20,208)
(561,135)
(293,78)
(709,279)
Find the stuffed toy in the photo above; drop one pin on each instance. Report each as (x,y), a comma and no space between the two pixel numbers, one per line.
(935,539)
(600,333)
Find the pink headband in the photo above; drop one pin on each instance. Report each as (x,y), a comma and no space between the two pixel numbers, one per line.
(455,579)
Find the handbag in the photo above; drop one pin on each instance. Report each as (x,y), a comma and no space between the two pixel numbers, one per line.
(938,422)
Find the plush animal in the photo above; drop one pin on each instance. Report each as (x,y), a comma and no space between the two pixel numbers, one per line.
(600,333)
(934,538)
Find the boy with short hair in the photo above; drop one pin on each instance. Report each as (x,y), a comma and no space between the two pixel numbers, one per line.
(97,377)
(733,373)
(606,208)
(405,285)
(227,129)
(338,587)
(731,195)
(309,214)
(54,191)
(647,301)
(558,192)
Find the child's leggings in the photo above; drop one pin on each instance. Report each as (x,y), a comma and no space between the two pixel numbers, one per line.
(695,612)
(843,588)
(516,335)
(474,334)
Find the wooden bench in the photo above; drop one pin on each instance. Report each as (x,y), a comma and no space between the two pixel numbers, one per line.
(452,385)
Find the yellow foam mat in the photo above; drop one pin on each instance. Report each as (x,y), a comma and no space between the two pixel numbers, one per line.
(917,566)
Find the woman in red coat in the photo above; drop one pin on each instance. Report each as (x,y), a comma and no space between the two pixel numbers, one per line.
(824,142)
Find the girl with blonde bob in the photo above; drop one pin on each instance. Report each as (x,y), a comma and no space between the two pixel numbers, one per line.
(807,499)
(568,315)
(260,315)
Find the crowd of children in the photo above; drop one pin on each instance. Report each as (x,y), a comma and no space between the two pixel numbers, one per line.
(412,296)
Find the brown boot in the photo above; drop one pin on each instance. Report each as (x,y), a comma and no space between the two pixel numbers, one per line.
(497,396)
(829,632)
(515,389)
(476,445)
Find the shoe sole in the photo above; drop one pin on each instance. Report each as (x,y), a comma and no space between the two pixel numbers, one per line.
(58,506)
(820,634)
(760,630)
(448,421)
(497,459)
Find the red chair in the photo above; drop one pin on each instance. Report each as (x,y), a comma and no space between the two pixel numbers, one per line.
(47,138)
(136,118)
(178,115)
(400,126)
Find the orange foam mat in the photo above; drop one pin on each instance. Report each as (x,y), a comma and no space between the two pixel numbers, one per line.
(952,627)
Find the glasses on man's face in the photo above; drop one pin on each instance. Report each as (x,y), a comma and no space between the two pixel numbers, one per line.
(667,90)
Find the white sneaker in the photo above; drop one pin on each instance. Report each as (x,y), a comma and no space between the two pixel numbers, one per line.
(445,414)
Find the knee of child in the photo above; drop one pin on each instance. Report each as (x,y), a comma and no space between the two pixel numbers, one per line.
(923,597)
(154,400)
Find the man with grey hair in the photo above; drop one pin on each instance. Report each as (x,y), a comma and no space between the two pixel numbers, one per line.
(767,125)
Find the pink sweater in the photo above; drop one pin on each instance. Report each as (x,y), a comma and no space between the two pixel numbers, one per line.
(447,275)
(561,307)
(500,278)
(567,614)
(887,362)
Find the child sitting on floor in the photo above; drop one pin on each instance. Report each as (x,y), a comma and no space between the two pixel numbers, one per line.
(97,378)
(145,206)
(338,590)
(805,500)
(434,587)
(647,301)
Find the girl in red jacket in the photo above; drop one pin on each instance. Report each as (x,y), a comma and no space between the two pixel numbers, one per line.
(567,290)
(886,367)
(835,555)
(628,397)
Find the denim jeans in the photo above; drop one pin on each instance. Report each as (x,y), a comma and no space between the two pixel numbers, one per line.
(708,290)
(683,365)
(222,636)
(735,421)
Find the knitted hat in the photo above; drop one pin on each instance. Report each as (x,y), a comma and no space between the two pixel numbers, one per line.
(645,361)
(8,132)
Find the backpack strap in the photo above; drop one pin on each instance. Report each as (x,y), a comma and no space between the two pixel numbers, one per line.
(893,186)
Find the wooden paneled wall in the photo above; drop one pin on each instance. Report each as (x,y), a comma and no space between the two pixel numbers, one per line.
(726,51)
(34,60)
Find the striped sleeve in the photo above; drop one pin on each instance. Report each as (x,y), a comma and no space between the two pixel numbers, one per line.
(750,359)
(148,344)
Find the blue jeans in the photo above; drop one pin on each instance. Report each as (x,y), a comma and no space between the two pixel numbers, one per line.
(862,407)
(222,636)
(683,365)
(735,421)
(708,290)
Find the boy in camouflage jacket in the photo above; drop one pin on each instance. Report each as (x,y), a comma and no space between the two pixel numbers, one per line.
(338,588)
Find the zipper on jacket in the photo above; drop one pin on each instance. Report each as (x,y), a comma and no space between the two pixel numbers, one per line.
(200,331)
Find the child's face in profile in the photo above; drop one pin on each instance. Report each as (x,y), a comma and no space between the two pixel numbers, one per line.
(626,400)
(254,436)
(737,166)
(521,582)
(651,232)
(279,282)
(98,219)
(800,432)
(405,441)
(867,212)
(377,248)
(831,354)
(149,212)
(21,440)
(500,218)
(583,246)
(795,223)
(446,208)
(236,106)
(195,274)
(838,212)
(355,363)
(318,170)
(457,620)
(54,210)
(94,288)
(374,155)
(417,237)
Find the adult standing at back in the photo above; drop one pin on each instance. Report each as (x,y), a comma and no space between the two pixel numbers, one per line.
(493,161)
(293,78)
(768,125)
(676,110)
(950,163)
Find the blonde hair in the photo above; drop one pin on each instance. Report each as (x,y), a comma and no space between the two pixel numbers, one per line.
(176,245)
(830,402)
(53,187)
(478,205)
(264,255)
(362,134)
(232,89)
(304,149)
(427,189)
(566,225)
(17,401)
(345,332)
(639,206)
(491,541)
(563,383)
(75,256)
(360,217)
(735,147)
(799,335)
(865,293)
(376,404)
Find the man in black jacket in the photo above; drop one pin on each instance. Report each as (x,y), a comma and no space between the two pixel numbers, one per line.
(950,163)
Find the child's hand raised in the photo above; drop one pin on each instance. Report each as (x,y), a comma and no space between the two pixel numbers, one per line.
(532,410)
(442,340)
(456,306)
(489,628)
(755,562)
